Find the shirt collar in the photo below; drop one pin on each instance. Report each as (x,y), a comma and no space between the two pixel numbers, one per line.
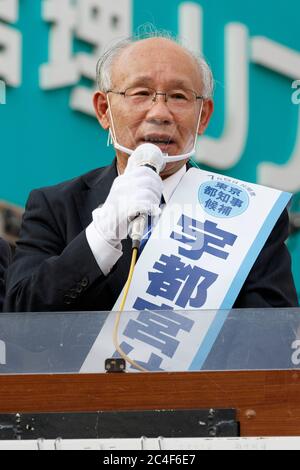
(171,183)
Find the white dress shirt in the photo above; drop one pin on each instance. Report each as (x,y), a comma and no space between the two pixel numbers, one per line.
(106,254)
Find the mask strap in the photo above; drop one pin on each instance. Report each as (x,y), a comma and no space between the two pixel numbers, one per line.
(167,158)
(177,158)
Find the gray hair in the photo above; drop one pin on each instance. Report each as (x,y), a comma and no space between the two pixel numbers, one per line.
(106,61)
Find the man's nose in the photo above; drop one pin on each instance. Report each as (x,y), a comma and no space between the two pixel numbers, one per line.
(159,109)
(160,93)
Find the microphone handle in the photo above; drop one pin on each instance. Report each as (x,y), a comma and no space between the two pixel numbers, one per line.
(138,224)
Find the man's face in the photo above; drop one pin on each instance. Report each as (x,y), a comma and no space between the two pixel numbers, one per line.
(163,66)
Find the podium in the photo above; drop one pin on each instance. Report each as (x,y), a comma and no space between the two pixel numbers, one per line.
(251,373)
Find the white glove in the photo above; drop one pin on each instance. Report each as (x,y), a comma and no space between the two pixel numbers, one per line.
(138,190)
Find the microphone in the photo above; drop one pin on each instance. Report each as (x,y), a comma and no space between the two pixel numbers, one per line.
(151,156)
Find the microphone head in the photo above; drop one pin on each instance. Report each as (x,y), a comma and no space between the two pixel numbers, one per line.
(147,154)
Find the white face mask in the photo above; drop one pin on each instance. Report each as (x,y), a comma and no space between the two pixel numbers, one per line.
(167,158)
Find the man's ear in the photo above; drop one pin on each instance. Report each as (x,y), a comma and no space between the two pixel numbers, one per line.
(207,110)
(101,109)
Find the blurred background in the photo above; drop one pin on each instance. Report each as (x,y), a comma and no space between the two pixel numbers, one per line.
(48,55)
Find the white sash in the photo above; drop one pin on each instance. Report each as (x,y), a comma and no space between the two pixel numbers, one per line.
(197,258)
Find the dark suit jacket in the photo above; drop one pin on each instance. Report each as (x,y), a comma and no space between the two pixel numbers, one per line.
(5,255)
(55,270)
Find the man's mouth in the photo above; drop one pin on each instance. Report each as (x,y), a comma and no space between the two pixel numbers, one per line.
(159,140)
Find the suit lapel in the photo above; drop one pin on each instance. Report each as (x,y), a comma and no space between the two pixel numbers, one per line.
(95,191)
(94,194)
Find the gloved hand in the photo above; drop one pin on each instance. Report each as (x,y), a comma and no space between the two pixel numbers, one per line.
(138,190)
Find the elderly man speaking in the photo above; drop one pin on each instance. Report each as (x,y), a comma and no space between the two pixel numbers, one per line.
(74,252)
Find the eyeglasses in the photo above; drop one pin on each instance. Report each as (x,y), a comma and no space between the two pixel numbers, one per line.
(142,97)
